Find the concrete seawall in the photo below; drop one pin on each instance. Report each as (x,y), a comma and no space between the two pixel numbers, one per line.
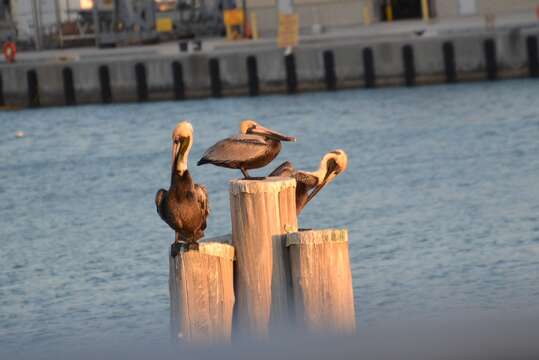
(256,70)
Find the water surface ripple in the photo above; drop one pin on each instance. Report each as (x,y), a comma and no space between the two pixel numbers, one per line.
(441,201)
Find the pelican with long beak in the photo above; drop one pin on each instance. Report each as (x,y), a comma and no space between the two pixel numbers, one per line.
(308,184)
(255,147)
(184,207)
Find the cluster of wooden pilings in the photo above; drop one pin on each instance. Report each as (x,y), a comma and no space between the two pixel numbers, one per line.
(267,277)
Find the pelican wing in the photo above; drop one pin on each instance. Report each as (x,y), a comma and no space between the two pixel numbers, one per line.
(308,179)
(202,198)
(201,194)
(159,197)
(286,169)
(233,149)
(305,182)
(164,211)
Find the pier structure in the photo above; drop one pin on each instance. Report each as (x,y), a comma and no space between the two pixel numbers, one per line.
(284,280)
(255,68)
(202,294)
(321,277)
(261,214)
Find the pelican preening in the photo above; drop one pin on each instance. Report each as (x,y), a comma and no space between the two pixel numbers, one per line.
(184,207)
(255,147)
(310,183)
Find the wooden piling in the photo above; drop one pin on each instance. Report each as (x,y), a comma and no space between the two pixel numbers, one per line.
(322,281)
(202,294)
(262,212)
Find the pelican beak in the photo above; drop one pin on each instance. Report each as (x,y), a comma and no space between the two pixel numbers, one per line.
(175,148)
(181,165)
(330,175)
(260,130)
(178,148)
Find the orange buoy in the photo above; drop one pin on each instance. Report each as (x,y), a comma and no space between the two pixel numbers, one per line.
(248,33)
(10,51)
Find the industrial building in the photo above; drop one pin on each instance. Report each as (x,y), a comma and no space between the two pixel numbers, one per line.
(29,20)
(328,15)
(452,8)
(50,23)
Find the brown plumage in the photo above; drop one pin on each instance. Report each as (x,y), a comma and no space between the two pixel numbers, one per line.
(184,207)
(254,148)
(308,184)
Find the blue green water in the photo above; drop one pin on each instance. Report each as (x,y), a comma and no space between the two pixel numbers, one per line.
(441,199)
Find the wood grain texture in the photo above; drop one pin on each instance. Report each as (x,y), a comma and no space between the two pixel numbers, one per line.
(262,212)
(201,289)
(322,281)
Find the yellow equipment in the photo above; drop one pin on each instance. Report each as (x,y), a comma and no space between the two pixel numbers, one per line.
(164,24)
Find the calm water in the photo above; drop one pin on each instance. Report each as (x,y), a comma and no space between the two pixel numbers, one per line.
(441,200)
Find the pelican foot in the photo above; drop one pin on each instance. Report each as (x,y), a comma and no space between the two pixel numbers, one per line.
(246,176)
(191,246)
(176,248)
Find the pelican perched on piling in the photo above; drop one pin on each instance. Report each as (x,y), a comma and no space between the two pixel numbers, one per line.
(184,207)
(308,184)
(255,147)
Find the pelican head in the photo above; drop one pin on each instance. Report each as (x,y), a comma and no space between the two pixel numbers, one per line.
(250,126)
(182,139)
(332,164)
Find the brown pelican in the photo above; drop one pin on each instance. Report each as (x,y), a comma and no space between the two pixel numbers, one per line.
(308,184)
(254,148)
(184,207)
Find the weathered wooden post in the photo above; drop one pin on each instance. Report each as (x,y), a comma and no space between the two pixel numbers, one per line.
(322,281)
(262,212)
(202,294)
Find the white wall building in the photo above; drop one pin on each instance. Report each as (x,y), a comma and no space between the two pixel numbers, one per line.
(23,15)
(334,14)
(451,8)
